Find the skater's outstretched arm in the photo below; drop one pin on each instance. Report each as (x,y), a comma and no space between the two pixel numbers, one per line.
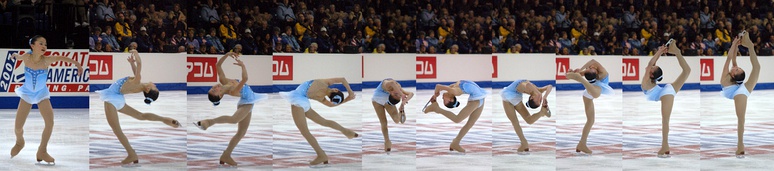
(244,75)
(24,57)
(136,62)
(725,79)
(441,87)
(342,81)
(756,66)
(52,59)
(593,64)
(546,90)
(222,75)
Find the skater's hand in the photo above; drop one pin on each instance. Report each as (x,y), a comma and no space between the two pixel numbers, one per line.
(401,108)
(746,42)
(573,75)
(239,63)
(130,59)
(14,56)
(673,48)
(351,96)
(545,103)
(737,41)
(80,70)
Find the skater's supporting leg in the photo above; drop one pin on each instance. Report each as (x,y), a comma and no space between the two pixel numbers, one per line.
(380,113)
(666,111)
(474,115)
(510,111)
(740,102)
(128,110)
(299,117)
(241,131)
(589,106)
(22,111)
(47,113)
(112,117)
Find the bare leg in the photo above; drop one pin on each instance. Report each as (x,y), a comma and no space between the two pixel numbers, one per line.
(112,117)
(237,117)
(589,105)
(312,115)
(510,111)
(740,101)
(455,145)
(393,111)
(464,113)
(666,111)
(299,117)
(383,121)
(128,110)
(22,111)
(47,113)
(241,131)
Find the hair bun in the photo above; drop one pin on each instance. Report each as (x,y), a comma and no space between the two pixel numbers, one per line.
(148,100)
(216,103)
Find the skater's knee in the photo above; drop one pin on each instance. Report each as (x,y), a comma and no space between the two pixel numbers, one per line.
(458,120)
(19,130)
(529,121)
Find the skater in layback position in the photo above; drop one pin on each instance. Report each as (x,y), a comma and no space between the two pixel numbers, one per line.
(734,86)
(666,94)
(35,91)
(538,97)
(114,101)
(471,111)
(247,99)
(301,109)
(596,83)
(386,96)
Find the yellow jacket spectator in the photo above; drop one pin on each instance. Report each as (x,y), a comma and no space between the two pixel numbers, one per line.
(723,35)
(380,48)
(311,49)
(227,31)
(515,49)
(504,31)
(123,30)
(453,50)
(300,30)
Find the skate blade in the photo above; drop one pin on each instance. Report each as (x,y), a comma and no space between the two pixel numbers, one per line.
(198,126)
(523,153)
(226,166)
(582,154)
(741,156)
(402,117)
(130,165)
(456,153)
(43,163)
(664,156)
(426,105)
(321,165)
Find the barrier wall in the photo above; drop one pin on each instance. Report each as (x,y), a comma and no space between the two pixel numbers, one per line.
(538,68)
(291,69)
(446,69)
(565,63)
(377,67)
(712,68)
(165,70)
(634,68)
(68,89)
(202,72)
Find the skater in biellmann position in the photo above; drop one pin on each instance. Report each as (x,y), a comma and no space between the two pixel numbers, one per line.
(512,96)
(301,109)
(247,99)
(35,91)
(596,83)
(654,92)
(114,101)
(734,86)
(471,111)
(386,96)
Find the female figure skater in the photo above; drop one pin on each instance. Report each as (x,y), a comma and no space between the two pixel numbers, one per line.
(388,94)
(471,111)
(35,91)
(114,101)
(247,99)
(301,109)
(734,86)
(512,96)
(596,83)
(666,94)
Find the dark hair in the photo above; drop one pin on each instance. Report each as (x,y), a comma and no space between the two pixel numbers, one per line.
(35,38)
(452,104)
(739,78)
(151,96)
(591,77)
(215,99)
(657,74)
(336,97)
(531,103)
(393,101)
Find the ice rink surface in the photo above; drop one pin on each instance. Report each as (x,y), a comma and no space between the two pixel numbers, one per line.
(158,146)
(605,138)
(719,132)
(642,132)
(69,143)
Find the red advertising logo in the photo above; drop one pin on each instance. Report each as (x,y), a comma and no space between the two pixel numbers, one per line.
(426,67)
(631,69)
(282,68)
(494,65)
(202,69)
(562,66)
(101,67)
(707,69)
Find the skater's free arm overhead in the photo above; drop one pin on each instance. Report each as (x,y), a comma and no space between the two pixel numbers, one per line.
(136,62)
(725,77)
(244,75)
(222,75)
(593,64)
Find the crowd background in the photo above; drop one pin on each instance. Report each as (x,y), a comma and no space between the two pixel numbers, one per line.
(564,27)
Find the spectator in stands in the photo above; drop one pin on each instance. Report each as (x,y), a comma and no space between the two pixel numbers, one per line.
(104,12)
(380,48)
(285,12)
(312,48)
(209,13)
(98,47)
(124,30)
(144,41)
(109,39)
(94,38)
(215,41)
(228,33)
(291,40)
(454,49)
(132,46)
(160,42)
(515,49)
(191,41)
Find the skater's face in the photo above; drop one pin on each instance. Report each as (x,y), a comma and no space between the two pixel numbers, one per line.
(448,97)
(536,98)
(150,86)
(39,45)
(334,90)
(216,89)
(735,71)
(653,69)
